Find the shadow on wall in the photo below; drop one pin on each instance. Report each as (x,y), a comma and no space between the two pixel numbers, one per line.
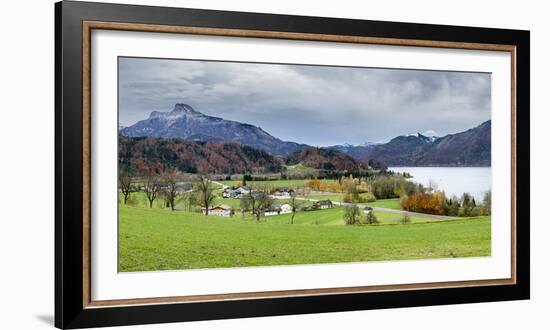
(45,318)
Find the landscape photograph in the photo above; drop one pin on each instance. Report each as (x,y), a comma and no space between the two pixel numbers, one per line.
(238,164)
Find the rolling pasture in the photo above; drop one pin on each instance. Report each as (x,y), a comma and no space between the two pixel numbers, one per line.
(158,239)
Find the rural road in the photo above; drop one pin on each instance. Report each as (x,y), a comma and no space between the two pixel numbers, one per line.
(375,208)
(219,184)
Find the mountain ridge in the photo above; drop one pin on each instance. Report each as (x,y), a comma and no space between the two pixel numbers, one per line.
(468,148)
(187,123)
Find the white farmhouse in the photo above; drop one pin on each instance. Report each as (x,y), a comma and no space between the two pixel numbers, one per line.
(323,204)
(286,208)
(220,210)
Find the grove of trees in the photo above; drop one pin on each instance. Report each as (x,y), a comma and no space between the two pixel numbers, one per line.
(437,203)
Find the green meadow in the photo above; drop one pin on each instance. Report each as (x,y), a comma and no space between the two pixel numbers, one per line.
(158,239)
(392,203)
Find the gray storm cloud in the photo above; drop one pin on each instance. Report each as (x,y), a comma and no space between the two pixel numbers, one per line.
(317,105)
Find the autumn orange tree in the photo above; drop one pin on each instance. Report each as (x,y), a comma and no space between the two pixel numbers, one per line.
(335,186)
(431,203)
(314,184)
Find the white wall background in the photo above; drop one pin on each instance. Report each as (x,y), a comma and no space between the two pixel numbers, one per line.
(27,163)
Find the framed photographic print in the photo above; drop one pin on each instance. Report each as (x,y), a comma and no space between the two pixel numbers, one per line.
(214,164)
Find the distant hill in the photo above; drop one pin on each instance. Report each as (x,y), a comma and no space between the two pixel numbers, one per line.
(143,153)
(468,148)
(325,159)
(186,123)
(359,152)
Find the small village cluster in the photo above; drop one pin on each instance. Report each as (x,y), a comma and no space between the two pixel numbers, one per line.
(245,191)
(240,192)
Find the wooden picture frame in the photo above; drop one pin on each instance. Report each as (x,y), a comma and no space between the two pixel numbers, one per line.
(74,307)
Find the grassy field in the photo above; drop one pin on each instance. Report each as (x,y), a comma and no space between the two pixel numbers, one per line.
(300,170)
(392,203)
(331,196)
(157,239)
(335,216)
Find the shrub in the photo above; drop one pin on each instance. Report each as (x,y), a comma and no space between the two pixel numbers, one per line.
(352,215)
(453,207)
(371,219)
(366,198)
(384,186)
(476,211)
(133,200)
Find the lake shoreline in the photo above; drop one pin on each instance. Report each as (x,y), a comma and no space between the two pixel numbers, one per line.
(452,180)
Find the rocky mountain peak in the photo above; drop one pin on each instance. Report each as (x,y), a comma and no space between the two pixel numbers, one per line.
(185,122)
(179,110)
(182,108)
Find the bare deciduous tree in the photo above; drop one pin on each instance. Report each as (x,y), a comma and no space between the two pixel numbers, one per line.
(170,187)
(126,185)
(261,200)
(151,188)
(206,195)
(246,204)
(125,181)
(297,199)
(190,199)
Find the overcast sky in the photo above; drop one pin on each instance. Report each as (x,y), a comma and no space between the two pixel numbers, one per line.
(316,105)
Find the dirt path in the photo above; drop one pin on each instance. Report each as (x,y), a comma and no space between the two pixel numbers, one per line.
(219,184)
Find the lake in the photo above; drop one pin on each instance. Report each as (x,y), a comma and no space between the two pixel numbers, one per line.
(453,180)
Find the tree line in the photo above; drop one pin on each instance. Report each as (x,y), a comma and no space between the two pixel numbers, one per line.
(437,203)
(165,186)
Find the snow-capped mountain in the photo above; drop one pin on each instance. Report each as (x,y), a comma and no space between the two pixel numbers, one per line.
(468,148)
(426,138)
(187,123)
